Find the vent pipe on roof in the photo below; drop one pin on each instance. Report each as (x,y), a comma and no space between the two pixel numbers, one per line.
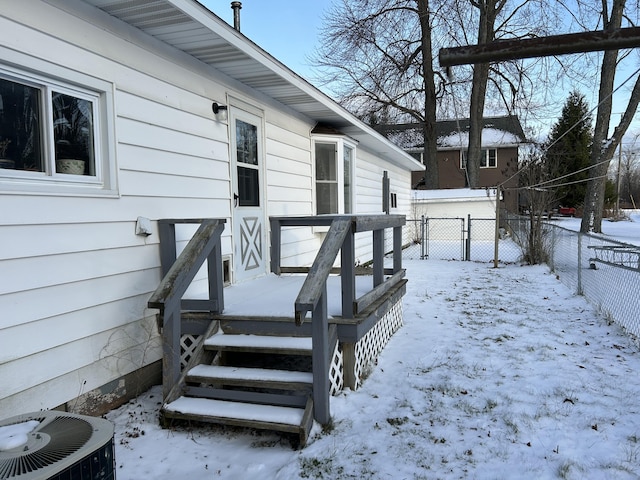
(236,6)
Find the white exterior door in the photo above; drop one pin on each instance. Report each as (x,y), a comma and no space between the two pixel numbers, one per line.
(249,220)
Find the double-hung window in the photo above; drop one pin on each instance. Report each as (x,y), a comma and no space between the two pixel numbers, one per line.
(54,135)
(334,175)
(488,158)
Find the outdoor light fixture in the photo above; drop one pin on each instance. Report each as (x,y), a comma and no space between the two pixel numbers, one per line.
(220,110)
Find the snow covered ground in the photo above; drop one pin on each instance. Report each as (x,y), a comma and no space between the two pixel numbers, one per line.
(497,373)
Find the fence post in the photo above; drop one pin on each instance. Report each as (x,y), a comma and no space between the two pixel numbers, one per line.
(553,247)
(497,231)
(579,263)
(467,253)
(423,238)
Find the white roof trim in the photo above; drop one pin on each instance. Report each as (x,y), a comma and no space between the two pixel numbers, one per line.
(189,26)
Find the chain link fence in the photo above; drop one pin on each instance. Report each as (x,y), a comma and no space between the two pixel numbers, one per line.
(605,271)
(468,238)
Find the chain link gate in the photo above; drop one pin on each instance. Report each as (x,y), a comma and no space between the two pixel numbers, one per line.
(444,238)
(455,238)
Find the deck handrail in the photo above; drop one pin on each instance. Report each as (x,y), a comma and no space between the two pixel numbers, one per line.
(312,297)
(178,273)
(315,281)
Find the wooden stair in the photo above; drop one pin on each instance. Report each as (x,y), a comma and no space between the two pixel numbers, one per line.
(254,381)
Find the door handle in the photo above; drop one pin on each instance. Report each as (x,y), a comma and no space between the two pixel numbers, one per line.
(236,197)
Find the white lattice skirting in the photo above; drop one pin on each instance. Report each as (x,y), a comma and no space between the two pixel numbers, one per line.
(188,346)
(336,371)
(365,351)
(368,348)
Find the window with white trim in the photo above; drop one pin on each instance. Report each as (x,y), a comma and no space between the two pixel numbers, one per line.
(489,158)
(54,134)
(334,174)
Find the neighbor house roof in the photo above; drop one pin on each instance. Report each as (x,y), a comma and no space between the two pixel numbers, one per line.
(497,132)
(190,27)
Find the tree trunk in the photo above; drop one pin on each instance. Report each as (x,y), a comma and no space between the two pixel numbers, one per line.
(594,196)
(430,158)
(476,123)
(488,11)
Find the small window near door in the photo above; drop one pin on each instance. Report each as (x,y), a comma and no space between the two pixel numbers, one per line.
(334,176)
(326,178)
(248,168)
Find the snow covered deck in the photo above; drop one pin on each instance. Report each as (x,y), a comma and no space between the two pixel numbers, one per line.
(275,295)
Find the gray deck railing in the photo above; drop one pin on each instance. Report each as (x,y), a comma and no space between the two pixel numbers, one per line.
(312,297)
(177,275)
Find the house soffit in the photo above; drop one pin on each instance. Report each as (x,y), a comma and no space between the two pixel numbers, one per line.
(190,27)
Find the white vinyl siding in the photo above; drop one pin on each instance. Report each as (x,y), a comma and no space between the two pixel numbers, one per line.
(90,324)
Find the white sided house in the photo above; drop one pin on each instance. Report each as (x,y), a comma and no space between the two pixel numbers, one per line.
(124,127)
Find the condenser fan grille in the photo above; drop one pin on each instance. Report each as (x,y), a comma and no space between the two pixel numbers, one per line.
(55,442)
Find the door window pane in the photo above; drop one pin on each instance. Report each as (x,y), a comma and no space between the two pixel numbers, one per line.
(246,142)
(248,187)
(248,168)
(20,127)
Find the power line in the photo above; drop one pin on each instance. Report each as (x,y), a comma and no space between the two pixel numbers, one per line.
(544,151)
(575,182)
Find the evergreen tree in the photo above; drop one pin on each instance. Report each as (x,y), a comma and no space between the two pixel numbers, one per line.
(569,150)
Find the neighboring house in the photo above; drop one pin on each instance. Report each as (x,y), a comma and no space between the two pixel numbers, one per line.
(115,114)
(501,137)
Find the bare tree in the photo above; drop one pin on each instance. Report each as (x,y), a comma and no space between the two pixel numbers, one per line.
(377,56)
(517,86)
(604,147)
(535,177)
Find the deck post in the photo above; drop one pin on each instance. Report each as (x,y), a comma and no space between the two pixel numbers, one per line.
(397,249)
(216,277)
(320,359)
(170,349)
(347,275)
(276,239)
(378,257)
(349,365)
(167,235)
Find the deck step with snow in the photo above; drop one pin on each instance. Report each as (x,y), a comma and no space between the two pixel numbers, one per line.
(259,344)
(266,417)
(250,377)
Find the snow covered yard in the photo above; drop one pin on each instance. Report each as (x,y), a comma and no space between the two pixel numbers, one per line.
(497,373)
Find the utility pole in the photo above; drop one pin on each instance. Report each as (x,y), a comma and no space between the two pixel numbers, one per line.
(500,50)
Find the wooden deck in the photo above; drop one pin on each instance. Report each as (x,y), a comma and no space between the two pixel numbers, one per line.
(275,295)
(292,325)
